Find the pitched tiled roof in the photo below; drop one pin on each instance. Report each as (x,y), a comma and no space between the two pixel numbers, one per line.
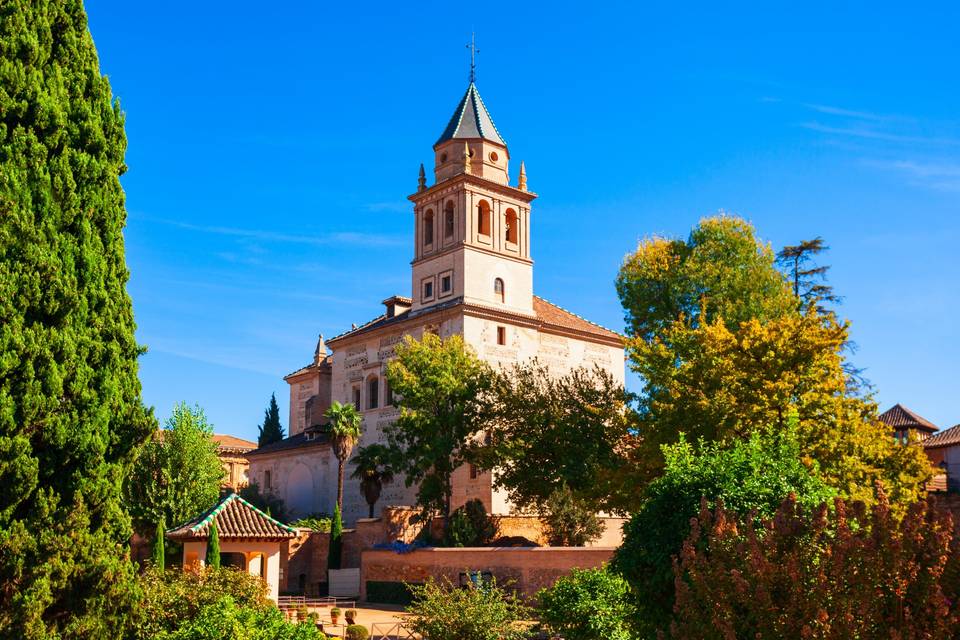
(326,362)
(899,417)
(471,120)
(232,443)
(546,312)
(945,438)
(551,314)
(236,519)
(301,440)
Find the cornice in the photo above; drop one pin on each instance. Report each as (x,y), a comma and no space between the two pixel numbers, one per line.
(472,247)
(524,196)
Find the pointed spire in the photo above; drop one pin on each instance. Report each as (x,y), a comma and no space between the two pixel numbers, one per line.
(466,158)
(471,120)
(522,181)
(321,351)
(422,180)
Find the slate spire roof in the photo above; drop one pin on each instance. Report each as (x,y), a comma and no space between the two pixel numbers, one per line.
(899,417)
(236,519)
(471,120)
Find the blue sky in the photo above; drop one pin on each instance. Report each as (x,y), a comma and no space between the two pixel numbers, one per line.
(272,147)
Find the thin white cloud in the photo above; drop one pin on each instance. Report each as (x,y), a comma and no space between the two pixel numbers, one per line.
(874,134)
(850,113)
(341,237)
(940,175)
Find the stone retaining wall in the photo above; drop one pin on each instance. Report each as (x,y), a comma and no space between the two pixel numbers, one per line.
(525,570)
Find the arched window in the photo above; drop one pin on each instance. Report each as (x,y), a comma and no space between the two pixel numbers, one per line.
(483,218)
(448,220)
(373,392)
(428,227)
(511,225)
(498,292)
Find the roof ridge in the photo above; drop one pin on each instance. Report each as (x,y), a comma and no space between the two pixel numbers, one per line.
(265,515)
(565,310)
(493,124)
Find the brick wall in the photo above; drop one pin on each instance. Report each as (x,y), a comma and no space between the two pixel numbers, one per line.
(526,570)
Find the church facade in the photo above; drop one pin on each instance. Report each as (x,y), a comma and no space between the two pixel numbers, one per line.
(471,275)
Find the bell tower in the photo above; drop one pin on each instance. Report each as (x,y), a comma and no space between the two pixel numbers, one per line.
(471,227)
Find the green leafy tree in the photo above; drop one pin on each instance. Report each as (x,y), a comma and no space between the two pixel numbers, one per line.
(345,429)
(549,432)
(373,470)
(441,386)
(335,550)
(810,573)
(213,547)
(441,611)
(157,555)
(568,520)
(588,604)
(271,430)
(732,367)
(722,271)
(70,406)
(751,475)
(177,473)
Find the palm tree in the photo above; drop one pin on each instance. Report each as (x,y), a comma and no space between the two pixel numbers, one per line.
(373,471)
(345,423)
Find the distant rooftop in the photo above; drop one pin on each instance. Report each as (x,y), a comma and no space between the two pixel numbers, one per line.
(236,519)
(899,417)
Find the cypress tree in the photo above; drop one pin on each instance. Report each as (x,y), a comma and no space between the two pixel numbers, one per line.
(158,556)
(213,548)
(70,408)
(271,430)
(335,551)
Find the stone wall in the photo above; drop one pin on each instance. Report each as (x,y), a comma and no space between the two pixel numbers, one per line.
(525,570)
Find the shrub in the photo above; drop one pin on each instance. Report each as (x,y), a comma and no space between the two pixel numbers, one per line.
(441,611)
(172,598)
(806,573)
(751,475)
(350,615)
(226,620)
(469,526)
(588,604)
(356,632)
(319,523)
(568,521)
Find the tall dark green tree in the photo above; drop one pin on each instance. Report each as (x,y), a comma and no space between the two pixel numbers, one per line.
(808,279)
(157,554)
(271,430)
(213,548)
(70,407)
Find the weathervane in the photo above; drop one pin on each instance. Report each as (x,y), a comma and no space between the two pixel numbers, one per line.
(473,56)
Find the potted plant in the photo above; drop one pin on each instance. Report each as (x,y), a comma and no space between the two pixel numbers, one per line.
(351,616)
(313,618)
(301,613)
(335,614)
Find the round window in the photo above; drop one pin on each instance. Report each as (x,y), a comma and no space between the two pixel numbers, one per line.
(493,156)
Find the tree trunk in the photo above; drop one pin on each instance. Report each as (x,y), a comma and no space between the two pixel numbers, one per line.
(340,485)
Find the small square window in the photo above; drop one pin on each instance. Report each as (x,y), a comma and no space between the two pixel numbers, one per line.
(427,290)
(446,284)
(356,398)
(501,335)
(266,480)
(474,472)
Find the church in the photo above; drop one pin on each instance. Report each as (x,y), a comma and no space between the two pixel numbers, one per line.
(471,275)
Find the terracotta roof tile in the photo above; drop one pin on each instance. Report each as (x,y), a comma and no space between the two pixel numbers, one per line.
(945,438)
(318,437)
(232,443)
(236,518)
(899,417)
(549,313)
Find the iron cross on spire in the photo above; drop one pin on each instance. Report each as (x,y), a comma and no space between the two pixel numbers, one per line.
(473,57)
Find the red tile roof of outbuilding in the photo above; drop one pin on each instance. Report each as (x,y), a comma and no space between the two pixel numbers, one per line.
(236,519)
